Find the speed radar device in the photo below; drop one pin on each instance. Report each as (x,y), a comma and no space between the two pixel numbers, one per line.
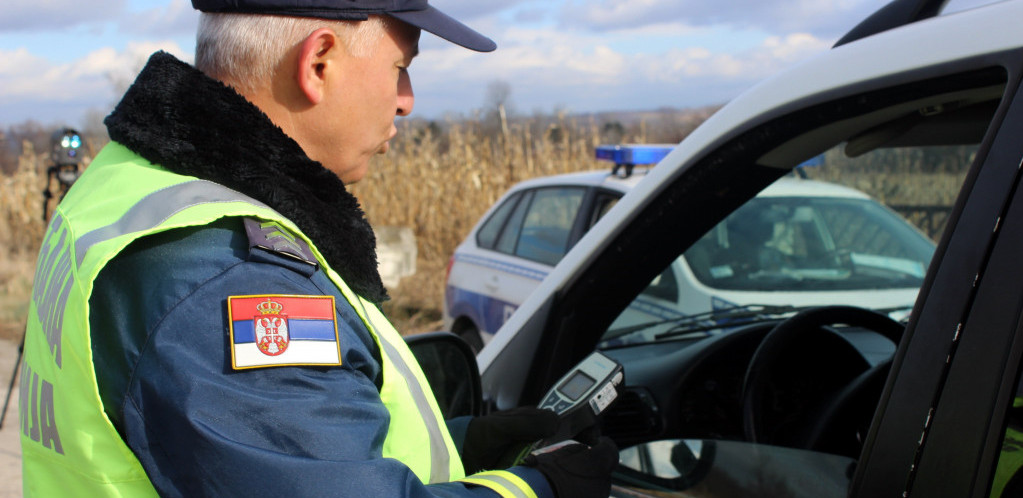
(66,155)
(67,147)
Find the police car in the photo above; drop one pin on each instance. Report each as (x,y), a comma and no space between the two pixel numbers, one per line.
(828,401)
(801,242)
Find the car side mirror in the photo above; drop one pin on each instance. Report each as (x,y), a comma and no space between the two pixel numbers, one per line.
(450,367)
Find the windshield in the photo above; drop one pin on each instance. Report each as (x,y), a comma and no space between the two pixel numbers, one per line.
(809,244)
(811,239)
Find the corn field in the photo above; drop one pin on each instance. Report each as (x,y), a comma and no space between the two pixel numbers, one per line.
(438,180)
(21,230)
(439,184)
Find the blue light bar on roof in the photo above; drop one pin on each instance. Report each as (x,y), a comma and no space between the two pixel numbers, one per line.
(633,154)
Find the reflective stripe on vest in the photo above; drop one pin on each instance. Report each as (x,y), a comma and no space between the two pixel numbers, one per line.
(152,210)
(120,198)
(438,448)
(502,482)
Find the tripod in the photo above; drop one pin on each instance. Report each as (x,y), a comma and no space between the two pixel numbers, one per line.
(14,378)
(65,174)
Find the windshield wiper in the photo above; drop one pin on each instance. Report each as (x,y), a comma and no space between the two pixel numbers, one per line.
(699,322)
(730,317)
(746,316)
(725,318)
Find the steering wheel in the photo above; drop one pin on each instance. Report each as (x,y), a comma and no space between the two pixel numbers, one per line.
(852,404)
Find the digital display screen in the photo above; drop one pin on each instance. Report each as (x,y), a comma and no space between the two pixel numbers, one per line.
(576,385)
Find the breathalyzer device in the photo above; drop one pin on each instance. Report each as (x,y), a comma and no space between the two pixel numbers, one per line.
(580,396)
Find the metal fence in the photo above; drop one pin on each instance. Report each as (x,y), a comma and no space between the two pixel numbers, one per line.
(930,219)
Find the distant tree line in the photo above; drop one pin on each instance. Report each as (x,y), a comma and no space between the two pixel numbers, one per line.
(498,118)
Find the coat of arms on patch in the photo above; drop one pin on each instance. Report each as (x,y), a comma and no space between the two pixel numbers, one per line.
(271,326)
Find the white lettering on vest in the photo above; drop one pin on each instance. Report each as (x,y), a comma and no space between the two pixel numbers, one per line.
(53,284)
(36,410)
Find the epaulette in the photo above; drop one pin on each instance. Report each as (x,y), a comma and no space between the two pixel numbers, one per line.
(274,238)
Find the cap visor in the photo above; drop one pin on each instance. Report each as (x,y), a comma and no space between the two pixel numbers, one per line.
(446,27)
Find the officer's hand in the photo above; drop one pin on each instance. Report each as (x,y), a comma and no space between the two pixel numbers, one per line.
(578,470)
(493,441)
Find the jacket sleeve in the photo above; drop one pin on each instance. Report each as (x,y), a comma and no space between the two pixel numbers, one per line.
(200,428)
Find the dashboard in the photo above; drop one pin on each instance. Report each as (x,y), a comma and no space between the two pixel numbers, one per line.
(693,388)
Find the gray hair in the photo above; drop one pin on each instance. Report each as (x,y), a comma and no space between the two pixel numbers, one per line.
(245,49)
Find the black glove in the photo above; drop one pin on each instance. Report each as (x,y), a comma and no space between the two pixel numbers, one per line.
(494,441)
(578,470)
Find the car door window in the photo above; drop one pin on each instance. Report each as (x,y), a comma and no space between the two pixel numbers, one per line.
(488,233)
(547,224)
(603,203)
(510,232)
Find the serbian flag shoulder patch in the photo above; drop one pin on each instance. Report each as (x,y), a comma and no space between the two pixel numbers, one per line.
(282,330)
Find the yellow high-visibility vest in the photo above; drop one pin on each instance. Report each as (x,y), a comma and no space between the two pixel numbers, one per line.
(69,446)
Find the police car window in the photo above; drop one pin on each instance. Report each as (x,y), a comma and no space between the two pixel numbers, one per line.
(811,241)
(510,232)
(801,242)
(603,204)
(548,223)
(487,234)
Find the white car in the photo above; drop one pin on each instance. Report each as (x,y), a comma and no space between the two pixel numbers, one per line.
(799,243)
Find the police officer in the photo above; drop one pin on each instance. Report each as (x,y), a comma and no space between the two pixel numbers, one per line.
(205,314)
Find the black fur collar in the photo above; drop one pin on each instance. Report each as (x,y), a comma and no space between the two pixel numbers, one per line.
(177,117)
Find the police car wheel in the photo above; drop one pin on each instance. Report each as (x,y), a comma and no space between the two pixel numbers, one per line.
(470,335)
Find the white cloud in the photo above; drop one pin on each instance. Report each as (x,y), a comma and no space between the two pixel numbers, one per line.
(551,57)
(552,67)
(97,77)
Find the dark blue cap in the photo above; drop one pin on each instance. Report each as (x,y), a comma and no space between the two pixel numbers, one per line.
(415,12)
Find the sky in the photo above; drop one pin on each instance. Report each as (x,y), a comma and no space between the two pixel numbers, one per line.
(63,62)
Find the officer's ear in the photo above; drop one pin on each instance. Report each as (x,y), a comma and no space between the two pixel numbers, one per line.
(317,56)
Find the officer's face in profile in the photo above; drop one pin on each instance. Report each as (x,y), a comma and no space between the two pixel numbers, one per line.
(362,97)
